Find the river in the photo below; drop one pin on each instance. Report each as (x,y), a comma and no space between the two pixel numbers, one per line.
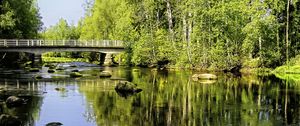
(168,98)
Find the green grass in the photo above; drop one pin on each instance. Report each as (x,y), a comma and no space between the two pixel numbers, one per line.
(63,59)
(257,71)
(288,72)
(291,71)
(284,76)
(288,69)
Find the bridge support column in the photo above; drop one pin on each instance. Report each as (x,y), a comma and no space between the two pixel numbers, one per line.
(107,59)
(36,60)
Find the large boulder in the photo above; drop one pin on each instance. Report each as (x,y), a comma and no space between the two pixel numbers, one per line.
(197,77)
(8,120)
(205,76)
(14,101)
(125,87)
(54,124)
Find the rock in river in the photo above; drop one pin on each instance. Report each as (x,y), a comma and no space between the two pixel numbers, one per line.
(8,120)
(54,124)
(14,101)
(75,74)
(51,71)
(197,77)
(127,87)
(105,74)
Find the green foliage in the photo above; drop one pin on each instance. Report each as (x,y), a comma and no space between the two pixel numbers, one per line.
(61,31)
(63,59)
(252,63)
(217,35)
(295,61)
(19,19)
(288,69)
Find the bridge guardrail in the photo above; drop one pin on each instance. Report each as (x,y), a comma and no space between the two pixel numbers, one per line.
(57,43)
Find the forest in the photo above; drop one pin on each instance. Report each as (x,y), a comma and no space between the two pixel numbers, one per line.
(222,35)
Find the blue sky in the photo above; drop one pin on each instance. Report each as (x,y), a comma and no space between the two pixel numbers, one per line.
(53,10)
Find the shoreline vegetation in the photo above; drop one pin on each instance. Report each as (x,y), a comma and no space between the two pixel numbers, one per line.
(282,72)
(229,36)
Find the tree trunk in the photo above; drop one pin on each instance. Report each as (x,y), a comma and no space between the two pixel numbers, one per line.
(170,21)
(190,22)
(278,39)
(287,31)
(186,36)
(184,27)
(260,52)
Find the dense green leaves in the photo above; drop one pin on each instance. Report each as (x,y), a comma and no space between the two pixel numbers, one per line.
(19,19)
(213,34)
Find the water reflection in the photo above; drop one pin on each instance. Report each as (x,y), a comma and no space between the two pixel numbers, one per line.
(168,98)
(174,99)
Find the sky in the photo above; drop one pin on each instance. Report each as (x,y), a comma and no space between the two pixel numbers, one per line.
(52,10)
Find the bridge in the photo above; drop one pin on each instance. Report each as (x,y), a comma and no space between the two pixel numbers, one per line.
(39,46)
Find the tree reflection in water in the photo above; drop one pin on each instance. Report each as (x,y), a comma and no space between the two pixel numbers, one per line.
(168,98)
(29,91)
(174,99)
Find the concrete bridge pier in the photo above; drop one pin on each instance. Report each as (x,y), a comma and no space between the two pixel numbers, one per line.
(36,59)
(107,59)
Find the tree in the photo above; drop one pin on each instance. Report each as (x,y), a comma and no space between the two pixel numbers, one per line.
(19,19)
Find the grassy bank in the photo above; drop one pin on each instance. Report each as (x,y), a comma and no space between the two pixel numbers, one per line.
(63,60)
(257,71)
(288,72)
(288,69)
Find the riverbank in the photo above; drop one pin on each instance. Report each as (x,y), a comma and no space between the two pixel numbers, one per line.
(63,59)
(288,72)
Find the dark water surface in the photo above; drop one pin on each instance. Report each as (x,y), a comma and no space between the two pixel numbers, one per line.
(168,98)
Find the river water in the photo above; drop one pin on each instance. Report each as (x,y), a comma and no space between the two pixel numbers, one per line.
(168,98)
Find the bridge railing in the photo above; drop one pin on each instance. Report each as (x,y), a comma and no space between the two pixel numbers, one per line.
(56,43)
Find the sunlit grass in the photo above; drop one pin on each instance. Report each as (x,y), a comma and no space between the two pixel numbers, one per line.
(288,69)
(288,72)
(63,59)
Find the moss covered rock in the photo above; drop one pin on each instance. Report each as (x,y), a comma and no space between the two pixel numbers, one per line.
(75,70)
(54,124)
(61,89)
(60,68)
(105,74)
(38,76)
(14,101)
(51,71)
(75,74)
(197,77)
(127,87)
